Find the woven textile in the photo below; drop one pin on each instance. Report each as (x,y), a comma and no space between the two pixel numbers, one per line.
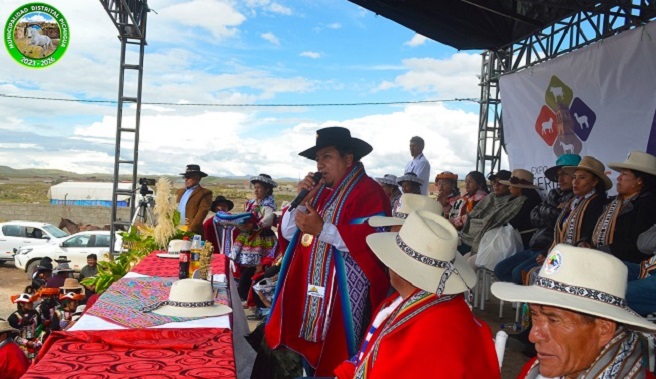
(151,353)
(122,302)
(152,265)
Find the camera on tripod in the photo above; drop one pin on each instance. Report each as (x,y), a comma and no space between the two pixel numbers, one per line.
(145,182)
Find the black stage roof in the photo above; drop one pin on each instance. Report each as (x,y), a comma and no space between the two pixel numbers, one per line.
(478,24)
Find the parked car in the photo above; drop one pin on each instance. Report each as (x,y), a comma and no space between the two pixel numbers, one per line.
(74,248)
(16,234)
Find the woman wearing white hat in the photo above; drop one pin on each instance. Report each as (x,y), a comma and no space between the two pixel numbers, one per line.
(27,321)
(256,242)
(581,325)
(391,188)
(410,183)
(632,211)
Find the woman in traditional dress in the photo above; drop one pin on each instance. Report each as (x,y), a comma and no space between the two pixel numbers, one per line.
(631,212)
(577,220)
(447,191)
(475,190)
(410,183)
(391,188)
(28,322)
(256,241)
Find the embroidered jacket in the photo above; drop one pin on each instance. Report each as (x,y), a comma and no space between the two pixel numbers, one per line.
(426,335)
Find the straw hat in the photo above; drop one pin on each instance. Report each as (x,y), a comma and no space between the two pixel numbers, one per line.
(582,280)
(520,178)
(637,161)
(388,179)
(563,160)
(593,165)
(424,252)
(5,327)
(408,203)
(409,177)
(189,298)
(71,284)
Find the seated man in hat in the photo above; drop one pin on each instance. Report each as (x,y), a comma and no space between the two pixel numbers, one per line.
(324,318)
(581,325)
(42,273)
(194,201)
(62,272)
(426,328)
(13,363)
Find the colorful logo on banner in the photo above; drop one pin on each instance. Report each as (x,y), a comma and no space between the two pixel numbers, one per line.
(565,121)
(36,35)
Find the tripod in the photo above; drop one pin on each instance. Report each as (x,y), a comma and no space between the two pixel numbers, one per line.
(144,214)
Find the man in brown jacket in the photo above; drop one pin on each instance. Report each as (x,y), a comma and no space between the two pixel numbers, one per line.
(194,201)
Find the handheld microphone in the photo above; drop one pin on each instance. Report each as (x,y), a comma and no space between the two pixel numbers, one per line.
(301,195)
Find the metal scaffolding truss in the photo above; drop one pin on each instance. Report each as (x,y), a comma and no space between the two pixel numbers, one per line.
(129,17)
(588,23)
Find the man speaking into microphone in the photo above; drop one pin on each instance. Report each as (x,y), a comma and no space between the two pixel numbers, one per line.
(330,281)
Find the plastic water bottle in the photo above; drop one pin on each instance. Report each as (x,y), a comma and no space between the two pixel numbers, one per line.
(194,262)
(185,257)
(500,345)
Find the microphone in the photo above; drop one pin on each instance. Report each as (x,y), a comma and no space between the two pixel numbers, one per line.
(301,195)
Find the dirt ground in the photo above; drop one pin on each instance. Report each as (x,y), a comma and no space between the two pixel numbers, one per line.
(13,282)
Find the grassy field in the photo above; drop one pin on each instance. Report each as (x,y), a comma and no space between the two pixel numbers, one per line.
(25,189)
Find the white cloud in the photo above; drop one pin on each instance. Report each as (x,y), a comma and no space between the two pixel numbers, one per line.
(334,25)
(416,40)
(311,54)
(220,18)
(38,18)
(270,37)
(448,78)
(280,9)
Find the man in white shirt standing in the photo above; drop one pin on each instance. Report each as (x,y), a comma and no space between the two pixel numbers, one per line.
(419,164)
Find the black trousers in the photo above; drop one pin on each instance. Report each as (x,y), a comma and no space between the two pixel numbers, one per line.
(245,282)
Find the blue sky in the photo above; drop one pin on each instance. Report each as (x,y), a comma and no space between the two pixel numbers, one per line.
(242,52)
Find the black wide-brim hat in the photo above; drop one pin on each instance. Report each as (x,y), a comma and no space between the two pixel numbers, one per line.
(193,169)
(222,200)
(339,137)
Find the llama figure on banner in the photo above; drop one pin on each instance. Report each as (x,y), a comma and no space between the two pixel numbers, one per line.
(557,92)
(37,39)
(547,126)
(582,121)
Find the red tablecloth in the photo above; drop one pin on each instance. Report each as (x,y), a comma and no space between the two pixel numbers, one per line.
(153,265)
(136,353)
(140,353)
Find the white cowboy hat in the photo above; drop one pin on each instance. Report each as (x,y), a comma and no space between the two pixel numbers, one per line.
(520,178)
(408,203)
(5,327)
(582,280)
(593,165)
(424,252)
(637,161)
(409,177)
(189,298)
(388,179)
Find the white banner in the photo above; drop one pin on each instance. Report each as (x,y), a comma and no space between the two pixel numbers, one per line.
(599,101)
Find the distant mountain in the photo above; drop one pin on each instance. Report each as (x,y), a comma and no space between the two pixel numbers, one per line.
(6,171)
